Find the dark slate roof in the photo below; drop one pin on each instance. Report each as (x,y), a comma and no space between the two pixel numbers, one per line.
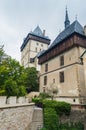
(38,32)
(75,27)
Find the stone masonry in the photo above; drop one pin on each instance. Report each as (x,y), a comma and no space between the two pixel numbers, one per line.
(19,114)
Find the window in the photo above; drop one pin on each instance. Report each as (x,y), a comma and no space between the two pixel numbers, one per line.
(61,60)
(53,80)
(45,80)
(37,43)
(31,60)
(42,45)
(46,67)
(36,49)
(61,76)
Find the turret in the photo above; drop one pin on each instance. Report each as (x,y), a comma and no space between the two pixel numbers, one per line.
(67,22)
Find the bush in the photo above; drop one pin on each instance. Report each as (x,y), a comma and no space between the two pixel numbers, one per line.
(50,119)
(38,102)
(63,108)
(43,95)
(72,126)
(43,129)
(60,107)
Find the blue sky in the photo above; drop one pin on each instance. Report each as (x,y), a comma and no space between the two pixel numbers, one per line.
(19,17)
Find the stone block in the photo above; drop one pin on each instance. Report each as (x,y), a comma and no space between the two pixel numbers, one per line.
(21,100)
(12,100)
(2,100)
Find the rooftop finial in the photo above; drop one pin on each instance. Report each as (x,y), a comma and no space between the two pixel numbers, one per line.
(67,22)
(76,17)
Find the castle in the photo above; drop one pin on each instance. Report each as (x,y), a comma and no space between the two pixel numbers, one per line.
(63,64)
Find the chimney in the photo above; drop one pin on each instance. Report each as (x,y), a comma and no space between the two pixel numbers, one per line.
(43,32)
(85,30)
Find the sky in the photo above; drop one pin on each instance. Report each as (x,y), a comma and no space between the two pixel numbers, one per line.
(19,17)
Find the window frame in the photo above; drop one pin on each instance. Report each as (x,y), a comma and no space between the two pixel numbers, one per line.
(61,60)
(61,77)
(45,80)
(46,67)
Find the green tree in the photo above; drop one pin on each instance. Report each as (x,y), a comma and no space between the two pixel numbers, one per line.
(11,88)
(12,76)
(32,79)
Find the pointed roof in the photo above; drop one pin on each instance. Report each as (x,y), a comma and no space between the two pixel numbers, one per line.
(67,22)
(37,31)
(75,27)
(37,35)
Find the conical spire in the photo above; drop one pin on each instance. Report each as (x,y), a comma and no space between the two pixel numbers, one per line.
(67,22)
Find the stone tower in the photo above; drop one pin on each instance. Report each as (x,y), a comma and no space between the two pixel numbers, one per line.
(34,43)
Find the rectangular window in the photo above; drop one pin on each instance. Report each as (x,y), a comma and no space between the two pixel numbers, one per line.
(45,80)
(46,67)
(53,80)
(36,49)
(61,60)
(61,76)
(31,60)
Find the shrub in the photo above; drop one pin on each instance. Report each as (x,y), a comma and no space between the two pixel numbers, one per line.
(50,119)
(38,102)
(43,95)
(60,107)
(43,129)
(63,108)
(72,126)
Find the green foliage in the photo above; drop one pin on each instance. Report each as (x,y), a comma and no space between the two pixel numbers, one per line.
(2,93)
(63,108)
(60,107)
(12,76)
(21,91)
(38,102)
(11,88)
(72,126)
(43,129)
(44,95)
(32,79)
(50,119)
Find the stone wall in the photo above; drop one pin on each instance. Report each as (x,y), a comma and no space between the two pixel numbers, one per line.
(19,114)
(16,117)
(75,116)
